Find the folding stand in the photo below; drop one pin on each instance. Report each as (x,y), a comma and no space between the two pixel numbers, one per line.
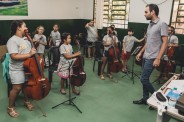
(133,74)
(70,99)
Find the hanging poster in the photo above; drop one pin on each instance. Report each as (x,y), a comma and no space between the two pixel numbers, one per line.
(13,7)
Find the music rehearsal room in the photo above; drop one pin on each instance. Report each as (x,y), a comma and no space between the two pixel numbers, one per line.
(91,60)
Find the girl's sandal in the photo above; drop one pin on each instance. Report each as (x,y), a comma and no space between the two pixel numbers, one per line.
(29,106)
(63,92)
(102,77)
(12,112)
(110,76)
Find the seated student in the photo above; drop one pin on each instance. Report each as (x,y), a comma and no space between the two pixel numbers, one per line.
(128,43)
(114,30)
(66,55)
(172,44)
(108,40)
(172,38)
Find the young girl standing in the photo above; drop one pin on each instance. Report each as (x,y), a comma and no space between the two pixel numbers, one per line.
(55,37)
(66,55)
(19,50)
(40,40)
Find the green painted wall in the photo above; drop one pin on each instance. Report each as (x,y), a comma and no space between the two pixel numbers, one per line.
(73,26)
(140,27)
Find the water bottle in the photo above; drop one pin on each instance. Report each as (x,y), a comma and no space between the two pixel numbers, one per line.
(173,97)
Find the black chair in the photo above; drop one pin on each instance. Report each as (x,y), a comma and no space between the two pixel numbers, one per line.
(98,55)
(83,42)
(179,56)
(53,57)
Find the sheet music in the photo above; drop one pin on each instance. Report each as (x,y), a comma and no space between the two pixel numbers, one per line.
(136,50)
(179,84)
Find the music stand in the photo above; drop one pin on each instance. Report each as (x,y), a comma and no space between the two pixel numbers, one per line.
(133,74)
(70,99)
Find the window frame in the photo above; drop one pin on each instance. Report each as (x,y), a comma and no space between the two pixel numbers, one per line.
(114,13)
(175,19)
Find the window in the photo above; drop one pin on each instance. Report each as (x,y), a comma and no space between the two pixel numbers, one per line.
(114,12)
(177,19)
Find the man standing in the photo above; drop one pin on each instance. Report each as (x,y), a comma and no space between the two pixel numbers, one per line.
(157,41)
(91,37)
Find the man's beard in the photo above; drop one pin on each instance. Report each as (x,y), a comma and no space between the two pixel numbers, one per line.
(149,17)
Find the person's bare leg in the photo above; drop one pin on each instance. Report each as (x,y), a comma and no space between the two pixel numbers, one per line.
(123,62)
(89,52)
(94,49)
(14,93)
(104,59)
(27,103)
(108,70)
(62,90)
(74,90)
(12,96)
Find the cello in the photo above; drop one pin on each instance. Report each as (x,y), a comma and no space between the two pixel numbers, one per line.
(170,51)
(78,77)
(166,64)
(115,65)
(37,86)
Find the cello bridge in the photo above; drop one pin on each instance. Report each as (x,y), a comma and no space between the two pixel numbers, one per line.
(116,61)
(42,79)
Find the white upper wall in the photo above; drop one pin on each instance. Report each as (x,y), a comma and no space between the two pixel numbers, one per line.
(86,9)
(83,9)
(55,9)
(137,8)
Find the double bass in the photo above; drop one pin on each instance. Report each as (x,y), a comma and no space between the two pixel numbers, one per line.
(78,77)
(37,86)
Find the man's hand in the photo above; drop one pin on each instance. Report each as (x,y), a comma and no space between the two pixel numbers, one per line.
(32,51)
(156,62)
(138,57)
